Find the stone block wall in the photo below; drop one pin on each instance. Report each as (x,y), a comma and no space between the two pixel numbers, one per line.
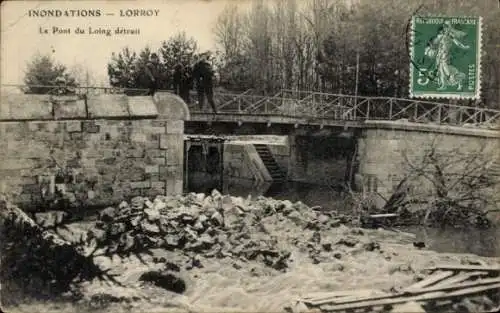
(119,148)
(388,151)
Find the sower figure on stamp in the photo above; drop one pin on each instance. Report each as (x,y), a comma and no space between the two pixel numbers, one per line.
(153,74)
(203,76)
(439,48)
(183,82)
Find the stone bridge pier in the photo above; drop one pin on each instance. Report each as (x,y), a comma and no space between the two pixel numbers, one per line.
(388,151)
(376,157)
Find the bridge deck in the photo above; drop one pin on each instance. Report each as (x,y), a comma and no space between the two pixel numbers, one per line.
(316,108)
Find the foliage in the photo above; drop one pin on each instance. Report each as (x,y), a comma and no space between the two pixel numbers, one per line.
(179,49)
(313,45)
(44,71)
(122,70)
(126,69)
(447,187)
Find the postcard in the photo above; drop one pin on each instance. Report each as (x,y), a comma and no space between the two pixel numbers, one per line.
(249,156)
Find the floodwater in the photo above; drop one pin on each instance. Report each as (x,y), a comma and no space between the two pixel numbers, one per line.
(452,240)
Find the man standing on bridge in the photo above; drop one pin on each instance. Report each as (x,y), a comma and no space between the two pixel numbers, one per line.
(183,81)
(203,76)
(153,74)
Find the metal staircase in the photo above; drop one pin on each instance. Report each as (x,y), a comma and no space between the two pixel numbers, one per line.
(272,166)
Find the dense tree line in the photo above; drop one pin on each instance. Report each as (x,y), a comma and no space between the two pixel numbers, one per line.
(307,45)
(313,45)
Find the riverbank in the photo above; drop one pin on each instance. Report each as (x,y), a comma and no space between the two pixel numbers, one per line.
(464,239)
(226,285)
(234,254)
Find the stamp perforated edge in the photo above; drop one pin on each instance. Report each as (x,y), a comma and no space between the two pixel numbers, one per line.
(479,57)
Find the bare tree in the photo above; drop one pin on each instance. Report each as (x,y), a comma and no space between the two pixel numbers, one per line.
(447,186)
(312,45)
(228,31)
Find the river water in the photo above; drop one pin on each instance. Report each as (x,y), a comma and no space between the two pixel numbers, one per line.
(453,240)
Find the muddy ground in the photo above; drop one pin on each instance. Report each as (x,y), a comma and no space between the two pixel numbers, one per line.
(233,254)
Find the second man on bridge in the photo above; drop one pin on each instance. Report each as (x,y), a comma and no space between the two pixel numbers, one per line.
(183,81)
(203,77)
(152,70)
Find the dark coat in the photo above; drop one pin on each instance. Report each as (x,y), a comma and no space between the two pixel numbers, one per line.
(153,70)
(182,77)
(203,74)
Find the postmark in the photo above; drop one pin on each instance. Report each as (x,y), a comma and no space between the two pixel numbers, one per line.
(445,56)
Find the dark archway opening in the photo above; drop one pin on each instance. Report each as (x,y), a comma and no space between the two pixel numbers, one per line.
(204,169)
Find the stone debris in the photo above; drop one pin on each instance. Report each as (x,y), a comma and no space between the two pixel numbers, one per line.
(209,225)
(193,227)
(163,242)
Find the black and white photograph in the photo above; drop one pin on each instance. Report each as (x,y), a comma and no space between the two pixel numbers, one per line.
(296,156)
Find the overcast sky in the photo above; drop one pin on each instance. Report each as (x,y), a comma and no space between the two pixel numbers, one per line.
(21,38)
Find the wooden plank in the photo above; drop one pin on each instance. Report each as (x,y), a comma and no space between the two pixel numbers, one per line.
(422,297)
(352,295)
(383,215)
(336,293)
(483,282)
(355,298)
(430,280)
(412,306)
(465,268)
(461,277)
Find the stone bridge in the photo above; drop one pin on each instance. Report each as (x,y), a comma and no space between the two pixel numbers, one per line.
(371,140)
(324,109)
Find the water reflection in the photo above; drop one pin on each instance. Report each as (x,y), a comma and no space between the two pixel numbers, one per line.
(463,240)
(294,191)
(480,242)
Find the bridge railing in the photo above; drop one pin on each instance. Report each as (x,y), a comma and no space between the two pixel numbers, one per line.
(307,104)
(386,108)
(279,104)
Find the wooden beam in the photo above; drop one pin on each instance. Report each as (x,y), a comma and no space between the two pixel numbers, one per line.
(429,281)
(481,283)
(383,215)
(400,299)
(461,277)
(465,268)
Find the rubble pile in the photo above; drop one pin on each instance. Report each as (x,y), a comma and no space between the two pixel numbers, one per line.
(193,227)
(205,250)
(214,226)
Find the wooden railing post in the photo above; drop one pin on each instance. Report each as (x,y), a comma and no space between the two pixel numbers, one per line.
(390,109)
